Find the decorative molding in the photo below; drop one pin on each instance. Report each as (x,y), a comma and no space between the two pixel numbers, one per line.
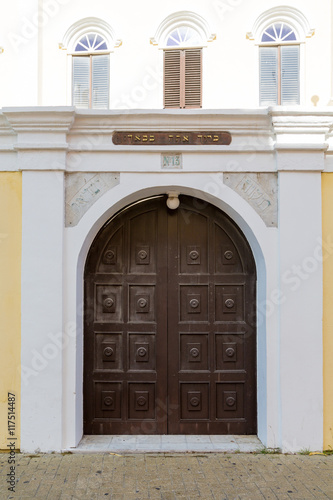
(182,18)
(46,120)
(289,15)
(86,25)
(260,190)
(38,130)
(83,190)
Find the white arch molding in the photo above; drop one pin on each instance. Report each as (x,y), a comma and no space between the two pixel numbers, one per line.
(182,18)
(78,239)
(87,25)
(289,15)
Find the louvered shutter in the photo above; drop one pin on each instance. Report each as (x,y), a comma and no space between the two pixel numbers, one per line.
(100,82)
(193,72)
(172,78)
(290,74)
(268,75)
(81,70)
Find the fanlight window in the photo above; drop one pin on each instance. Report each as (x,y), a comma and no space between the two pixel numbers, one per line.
(184,36)
(91,43)
(278,33)
(91,73)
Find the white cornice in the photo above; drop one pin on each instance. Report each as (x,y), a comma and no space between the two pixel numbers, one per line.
(311,126)
(104,121)
(39,119)
(262,129)
(315,147)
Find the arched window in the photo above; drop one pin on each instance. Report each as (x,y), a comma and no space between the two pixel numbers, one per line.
(183,68)
(182,36)
(279,65)
(90,88)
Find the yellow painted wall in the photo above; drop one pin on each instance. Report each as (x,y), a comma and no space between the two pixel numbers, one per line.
(10,298)
(327,187)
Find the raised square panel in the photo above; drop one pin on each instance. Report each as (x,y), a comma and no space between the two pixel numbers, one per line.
(111,260)
(143,243)
(142,255)
(108,400)
(227,260)
(108,304)
(193,240)
(229,352)
(230,400)
(194,401)
(141,400)
(110,256)
(229,303)
(141,352)
(141,304)
(229,255)
(193,303)
(108,351)
(193,352)
(141,404)
(193,255)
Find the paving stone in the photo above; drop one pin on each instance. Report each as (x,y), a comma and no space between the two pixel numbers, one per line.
(170,476)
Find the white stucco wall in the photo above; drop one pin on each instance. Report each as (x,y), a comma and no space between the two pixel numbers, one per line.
(49,143)
(39,72)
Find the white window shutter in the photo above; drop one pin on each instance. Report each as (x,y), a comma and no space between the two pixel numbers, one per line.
(100,82)
(290,74)
(268,75)
(81,67)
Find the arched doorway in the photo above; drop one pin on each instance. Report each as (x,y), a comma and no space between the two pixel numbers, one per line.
(170,331)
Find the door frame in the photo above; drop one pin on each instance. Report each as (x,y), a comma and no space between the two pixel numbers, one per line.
(77,243)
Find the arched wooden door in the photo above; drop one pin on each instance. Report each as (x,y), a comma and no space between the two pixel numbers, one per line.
(170,334)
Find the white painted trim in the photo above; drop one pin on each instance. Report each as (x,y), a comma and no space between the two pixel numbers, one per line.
(300,317)
(78,240)
(84,26)
(42,311)
(178,19)
(289,15)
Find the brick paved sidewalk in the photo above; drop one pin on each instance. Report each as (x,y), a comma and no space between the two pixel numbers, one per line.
(169,476)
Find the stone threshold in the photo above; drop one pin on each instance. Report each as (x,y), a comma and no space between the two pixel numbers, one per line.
(168,444)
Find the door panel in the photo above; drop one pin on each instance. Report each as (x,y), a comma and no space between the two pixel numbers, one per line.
(125,325)
(170,343)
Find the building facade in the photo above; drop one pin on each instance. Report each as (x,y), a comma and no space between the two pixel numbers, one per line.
(166,230)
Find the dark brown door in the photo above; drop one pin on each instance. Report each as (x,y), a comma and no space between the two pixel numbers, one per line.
(170,334)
